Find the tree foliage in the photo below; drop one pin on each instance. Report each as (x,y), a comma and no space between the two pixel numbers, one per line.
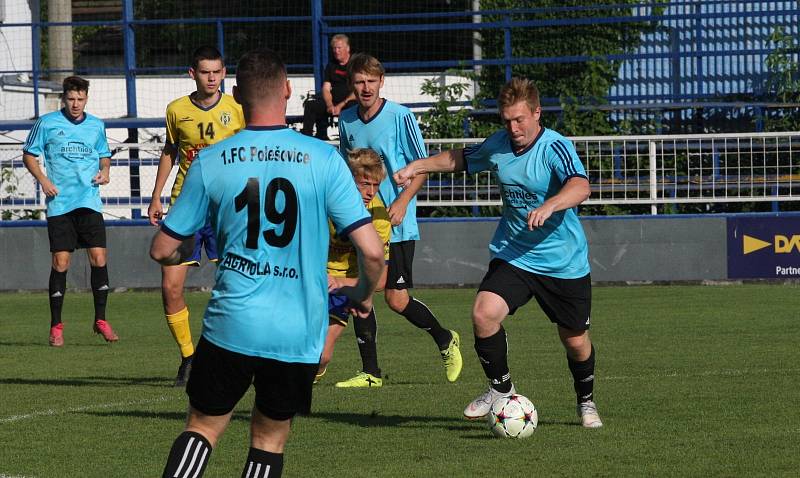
(570,83)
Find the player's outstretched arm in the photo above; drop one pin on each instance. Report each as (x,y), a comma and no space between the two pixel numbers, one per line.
(445,162)
(168,251)
(31,162)
(370,268)
(155,210)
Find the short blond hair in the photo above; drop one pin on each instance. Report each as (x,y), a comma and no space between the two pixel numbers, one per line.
(366,162)
(340,37)
(516,90)
(366,64)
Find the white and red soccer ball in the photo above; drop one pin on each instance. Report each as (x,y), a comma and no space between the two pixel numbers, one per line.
(513,417)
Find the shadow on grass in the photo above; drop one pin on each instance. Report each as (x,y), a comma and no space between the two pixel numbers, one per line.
(43,344)
(108,381)
(142,414)
(375,419)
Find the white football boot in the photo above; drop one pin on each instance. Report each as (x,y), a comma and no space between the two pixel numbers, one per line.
(587,411)
(480,407)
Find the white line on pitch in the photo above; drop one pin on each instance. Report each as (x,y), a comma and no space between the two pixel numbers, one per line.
(102,406)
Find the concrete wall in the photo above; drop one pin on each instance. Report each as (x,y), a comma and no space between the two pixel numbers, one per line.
(621,249)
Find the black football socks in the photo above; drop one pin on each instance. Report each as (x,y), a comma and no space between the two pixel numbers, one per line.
(366,330)
(56,288)
(421,316)
(99,281)
(583,377)
(493,355)
(263,464)
(188,457)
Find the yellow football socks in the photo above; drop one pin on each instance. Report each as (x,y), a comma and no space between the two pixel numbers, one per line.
(179,326)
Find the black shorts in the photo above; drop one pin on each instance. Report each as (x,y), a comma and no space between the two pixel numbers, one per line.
(80,228)
(220,378)
(401,258)
(566,302)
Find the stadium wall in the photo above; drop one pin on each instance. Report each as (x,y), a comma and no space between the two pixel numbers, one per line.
(451,252)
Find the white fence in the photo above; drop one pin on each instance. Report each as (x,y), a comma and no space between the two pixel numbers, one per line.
(647,170)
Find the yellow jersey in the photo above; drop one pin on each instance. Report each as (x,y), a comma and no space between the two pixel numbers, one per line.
(191,127)
(342,259)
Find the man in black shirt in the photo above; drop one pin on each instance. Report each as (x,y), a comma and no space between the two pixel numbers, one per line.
(336,93)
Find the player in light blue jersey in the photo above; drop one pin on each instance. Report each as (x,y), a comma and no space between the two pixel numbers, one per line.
(269,192)
(392,131)
(77,161)
(539,249)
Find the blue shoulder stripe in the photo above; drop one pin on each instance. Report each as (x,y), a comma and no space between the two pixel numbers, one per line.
(563,153)
(410,125)
(32,134)
(468,150)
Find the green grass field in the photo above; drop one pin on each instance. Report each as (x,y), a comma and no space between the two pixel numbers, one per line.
(691,381)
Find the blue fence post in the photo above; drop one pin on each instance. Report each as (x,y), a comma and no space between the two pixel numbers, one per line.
(316,43)
(129,46)
(759,114)
(507,53)
(36,53)
(701,81)
(221,47)
(618,152)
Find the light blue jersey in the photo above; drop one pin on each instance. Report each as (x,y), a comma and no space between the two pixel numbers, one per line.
(269,192)
(394,134)
(72,151)
(558,248)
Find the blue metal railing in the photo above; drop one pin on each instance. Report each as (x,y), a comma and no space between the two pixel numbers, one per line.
(675,62)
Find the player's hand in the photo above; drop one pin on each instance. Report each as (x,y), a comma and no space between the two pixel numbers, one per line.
(102,177)
(357,305)
(538,216)
(49,189)
(404,176)
(333,284)
(397,211)
(155,211)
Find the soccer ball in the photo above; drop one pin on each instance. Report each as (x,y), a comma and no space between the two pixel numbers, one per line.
(513,417)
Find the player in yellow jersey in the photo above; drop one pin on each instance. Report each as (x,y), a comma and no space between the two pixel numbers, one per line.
(368,171)
(195,121)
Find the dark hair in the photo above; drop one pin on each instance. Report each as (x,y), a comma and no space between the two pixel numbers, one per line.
(75,83)
(205,52)
(260,74)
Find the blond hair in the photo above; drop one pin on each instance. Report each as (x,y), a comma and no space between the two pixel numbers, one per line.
(340,37)
(366,162)
(516,90)
(365,64)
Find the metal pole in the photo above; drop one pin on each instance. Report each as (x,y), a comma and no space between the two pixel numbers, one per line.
(507,47)
(653,178)
(59,39)
(316,43)
(221,47)
(477,49)
(129,42)
(36,53)
(59,44)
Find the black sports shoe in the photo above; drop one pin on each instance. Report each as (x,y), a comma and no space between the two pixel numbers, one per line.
(183,371)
